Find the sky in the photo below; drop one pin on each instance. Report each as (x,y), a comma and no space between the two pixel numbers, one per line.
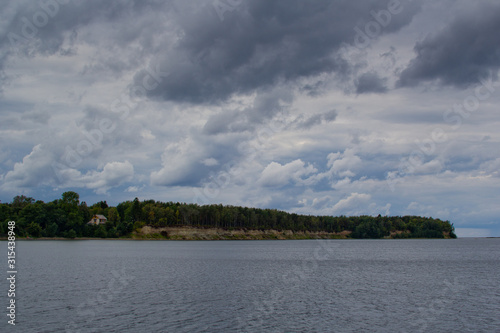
(315,107)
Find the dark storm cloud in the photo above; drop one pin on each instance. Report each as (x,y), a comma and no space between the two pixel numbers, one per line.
(254,46)
(468,48)
(42,27)
(263,43)
(370,82)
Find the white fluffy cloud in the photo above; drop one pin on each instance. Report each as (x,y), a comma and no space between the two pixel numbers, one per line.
(38,169)
(276,175)
(179,162)
(344,164)
(113,174)
(31,172)
(355,204)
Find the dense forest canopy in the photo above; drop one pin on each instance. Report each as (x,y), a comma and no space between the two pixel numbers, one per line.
(67,217)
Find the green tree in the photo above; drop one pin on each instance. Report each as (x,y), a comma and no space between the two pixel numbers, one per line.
(71,234)
(112,233)
(5,212)
(71,198)
(51,230)
(75,221)
(20,201)
(33,213)
(113,216)
(368,229)
(136,210)
(34,230)
(101,232)
(84,212)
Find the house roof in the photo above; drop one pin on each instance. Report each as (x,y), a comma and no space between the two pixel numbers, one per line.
(102,217)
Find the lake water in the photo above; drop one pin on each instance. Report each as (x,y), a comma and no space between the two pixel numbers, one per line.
(256,286)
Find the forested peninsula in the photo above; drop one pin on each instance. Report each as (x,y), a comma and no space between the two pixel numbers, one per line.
(149,219)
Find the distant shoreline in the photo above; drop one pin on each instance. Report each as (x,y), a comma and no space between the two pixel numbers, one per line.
(194,234)
(167,239)
(68,218)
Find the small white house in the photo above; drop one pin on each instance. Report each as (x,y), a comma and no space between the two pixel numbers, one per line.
(98,219)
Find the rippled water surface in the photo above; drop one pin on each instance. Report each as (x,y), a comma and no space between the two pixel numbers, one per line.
(257,286)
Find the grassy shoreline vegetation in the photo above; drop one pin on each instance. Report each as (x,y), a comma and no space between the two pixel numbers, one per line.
(67,218)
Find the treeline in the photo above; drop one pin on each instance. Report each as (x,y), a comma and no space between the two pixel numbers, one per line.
(67,217)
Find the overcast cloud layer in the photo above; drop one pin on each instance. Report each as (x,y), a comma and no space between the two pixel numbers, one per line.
(314,107)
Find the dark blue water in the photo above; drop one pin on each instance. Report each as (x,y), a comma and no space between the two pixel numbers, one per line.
(256,286)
